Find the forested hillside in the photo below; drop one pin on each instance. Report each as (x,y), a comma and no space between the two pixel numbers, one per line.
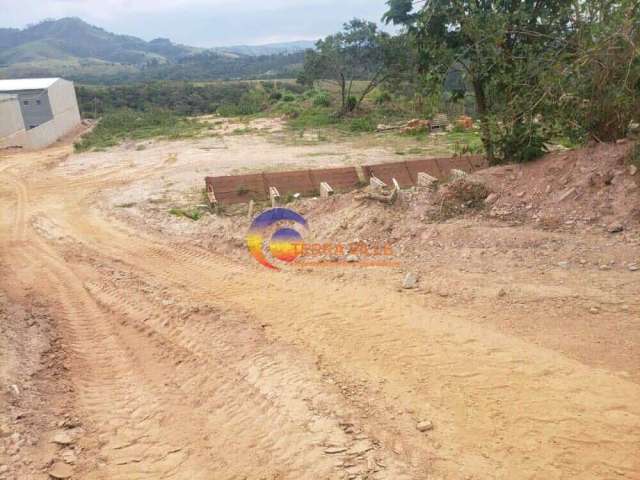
(74,49)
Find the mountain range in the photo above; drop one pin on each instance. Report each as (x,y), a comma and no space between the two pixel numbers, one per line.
(73,48)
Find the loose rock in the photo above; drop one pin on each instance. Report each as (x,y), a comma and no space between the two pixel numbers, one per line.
(62,438)
(615,228)
(410,281)
(424,426)
(60,471)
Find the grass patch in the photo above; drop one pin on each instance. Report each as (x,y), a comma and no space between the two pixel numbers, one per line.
(193,214)
(466,142)
(125,124)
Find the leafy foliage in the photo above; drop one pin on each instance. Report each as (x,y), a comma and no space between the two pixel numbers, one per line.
(359,52)
(535,67)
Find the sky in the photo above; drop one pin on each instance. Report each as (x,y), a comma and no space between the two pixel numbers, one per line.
(202,23)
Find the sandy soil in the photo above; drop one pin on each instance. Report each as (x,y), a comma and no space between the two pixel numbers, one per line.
(136,344)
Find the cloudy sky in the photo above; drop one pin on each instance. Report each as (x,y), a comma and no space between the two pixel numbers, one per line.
(203,23)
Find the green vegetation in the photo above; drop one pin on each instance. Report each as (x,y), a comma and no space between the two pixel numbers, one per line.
(126,124)
(192,214)
(359,52)
(84,53)
(536,69)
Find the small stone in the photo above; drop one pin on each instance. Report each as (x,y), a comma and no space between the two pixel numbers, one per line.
(594,310)
(634,267)
(69,457)
(457,174)
(502,293)
(615,228)
(410,281)
(426,180)
(563,264)
(633,170)
(3,469)
(352,258)
(491,199)
(60,471)
(424,426)
(62,438)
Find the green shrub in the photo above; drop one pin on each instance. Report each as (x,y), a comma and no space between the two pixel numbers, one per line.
(288,97)
(193,214)
(351,103)
(313,118)
(382,97)
(322,99)
(520,143)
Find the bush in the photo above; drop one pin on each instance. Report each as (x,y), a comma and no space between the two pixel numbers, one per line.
(520,143)
(351,103)
(322,99)
(382,97)
(288,97)
(313,118)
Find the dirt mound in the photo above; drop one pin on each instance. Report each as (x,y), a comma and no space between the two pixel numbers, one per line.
(588,186)
(595,186)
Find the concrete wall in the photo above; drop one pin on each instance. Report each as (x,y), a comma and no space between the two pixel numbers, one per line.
(12,132)
(35,107)
(61,98)
(242,188)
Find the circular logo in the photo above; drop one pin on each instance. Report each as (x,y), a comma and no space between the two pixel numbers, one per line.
(272,238)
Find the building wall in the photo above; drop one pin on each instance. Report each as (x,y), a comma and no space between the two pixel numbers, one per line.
(35,107)
(50,132)
(12,132)
(56,115)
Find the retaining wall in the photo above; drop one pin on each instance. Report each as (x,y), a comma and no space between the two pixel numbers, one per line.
(242,188)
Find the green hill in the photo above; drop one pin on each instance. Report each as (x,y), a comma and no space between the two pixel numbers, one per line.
(79,51)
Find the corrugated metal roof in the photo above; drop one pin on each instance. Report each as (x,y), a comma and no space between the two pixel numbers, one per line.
(15,85)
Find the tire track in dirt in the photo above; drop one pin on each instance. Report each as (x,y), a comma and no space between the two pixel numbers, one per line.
(118,390)
(434,362)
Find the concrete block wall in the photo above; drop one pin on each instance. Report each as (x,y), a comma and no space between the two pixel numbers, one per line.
(243,188)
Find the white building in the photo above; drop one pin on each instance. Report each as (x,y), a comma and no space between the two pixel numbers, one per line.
(36,112)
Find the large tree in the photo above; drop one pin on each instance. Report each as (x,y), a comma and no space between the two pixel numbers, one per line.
(503,46)
(359,52)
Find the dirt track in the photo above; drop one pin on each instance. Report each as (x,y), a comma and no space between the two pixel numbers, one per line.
(182,363)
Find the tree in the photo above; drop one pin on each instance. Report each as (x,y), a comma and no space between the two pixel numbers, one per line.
(504,48)
(598,85)
(359,52)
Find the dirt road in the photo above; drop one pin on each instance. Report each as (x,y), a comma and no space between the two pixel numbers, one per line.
(182,363)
